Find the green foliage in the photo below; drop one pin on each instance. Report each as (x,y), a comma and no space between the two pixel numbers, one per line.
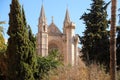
(96,37)
(20,51)
(32,38)
(54,54)
(32,51)
(24,19)
(45,64)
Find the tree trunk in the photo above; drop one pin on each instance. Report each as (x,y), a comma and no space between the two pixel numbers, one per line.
(113,41)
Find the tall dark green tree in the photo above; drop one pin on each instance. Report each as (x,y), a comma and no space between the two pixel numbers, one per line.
(118,42)
(24,18)
(32,60)
(20,52)
(95,39)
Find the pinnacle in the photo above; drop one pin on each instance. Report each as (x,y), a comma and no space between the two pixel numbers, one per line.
(42,14)
(67,18)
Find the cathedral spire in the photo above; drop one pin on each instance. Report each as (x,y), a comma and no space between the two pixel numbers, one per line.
(42,35)
(42,15)
(67,18)
(52,19)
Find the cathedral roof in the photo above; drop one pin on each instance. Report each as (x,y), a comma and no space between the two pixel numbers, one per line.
(53,30)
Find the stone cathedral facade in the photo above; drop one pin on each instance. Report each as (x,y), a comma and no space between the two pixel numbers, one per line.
(50,37)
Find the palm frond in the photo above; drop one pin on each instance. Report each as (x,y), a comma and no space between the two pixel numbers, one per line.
(1,29)
(2,22)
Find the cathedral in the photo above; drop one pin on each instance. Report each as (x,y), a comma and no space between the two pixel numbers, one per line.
(50,37)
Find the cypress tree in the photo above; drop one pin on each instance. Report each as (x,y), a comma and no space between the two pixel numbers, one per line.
(32,60)
(95,40)
(23,16)
(32,50)
(21,63)
(31,37)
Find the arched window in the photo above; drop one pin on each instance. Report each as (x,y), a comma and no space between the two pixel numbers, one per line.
(52,46)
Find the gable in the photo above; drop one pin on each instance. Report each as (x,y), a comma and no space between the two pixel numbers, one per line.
(53,30)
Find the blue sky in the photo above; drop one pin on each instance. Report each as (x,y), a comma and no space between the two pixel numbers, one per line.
(56,8)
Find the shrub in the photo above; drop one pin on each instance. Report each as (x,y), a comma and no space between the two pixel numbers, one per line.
(79,72)
(46,64)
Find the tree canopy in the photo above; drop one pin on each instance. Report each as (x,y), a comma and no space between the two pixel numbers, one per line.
(95,39)
(20,51)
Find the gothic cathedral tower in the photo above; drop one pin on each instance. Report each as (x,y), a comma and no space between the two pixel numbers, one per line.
(42,35)
(68,30)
